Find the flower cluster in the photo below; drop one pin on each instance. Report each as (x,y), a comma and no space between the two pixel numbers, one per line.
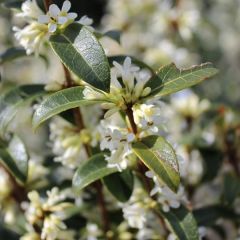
(46,215)
(40,26)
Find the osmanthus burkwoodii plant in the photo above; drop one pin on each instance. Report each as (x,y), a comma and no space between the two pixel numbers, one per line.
(125,151)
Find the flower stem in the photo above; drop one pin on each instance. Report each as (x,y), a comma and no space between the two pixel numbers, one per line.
(129,113)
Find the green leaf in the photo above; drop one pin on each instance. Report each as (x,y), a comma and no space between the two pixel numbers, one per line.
(59,102)
(92,170)
(120,184)
(81,52)
(15,4)
(120,59)
(231,188)
(212,159)
(14,99)
(15,158)
(159,156)
(182,223)
(11,54)
(113,34)
(169,79)
(207,216)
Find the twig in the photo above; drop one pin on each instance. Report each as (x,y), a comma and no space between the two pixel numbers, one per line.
(78,118)
(47,3)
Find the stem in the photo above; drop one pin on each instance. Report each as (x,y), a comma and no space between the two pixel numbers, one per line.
(47,3)
(19,193)
(129,113)
(98,185)
(102,206)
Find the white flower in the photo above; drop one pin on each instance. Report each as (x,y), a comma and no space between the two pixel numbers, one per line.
(188,104)
(31,37)
(30,10)
(86,21)
(148,116)
(56,17)
(135,211)
(119,143)
(135,214)
(38,206)
(166,197)
(51,227)
(67,143)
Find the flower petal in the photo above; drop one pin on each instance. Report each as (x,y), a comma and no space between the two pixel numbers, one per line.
(72,15)
(66,6)
(54,10)
(52,27)
(43,19)
(62,20)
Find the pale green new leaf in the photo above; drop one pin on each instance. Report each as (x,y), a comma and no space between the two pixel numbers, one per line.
(159,156)
(15,158)
(81,52)
(169,79)
(59,102)
(182,223)
(92,170)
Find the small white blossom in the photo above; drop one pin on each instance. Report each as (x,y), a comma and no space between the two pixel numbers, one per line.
(166,197)
(31,37)
(119,143)
(58,18)
(148,116)
(30,10)
(188,104)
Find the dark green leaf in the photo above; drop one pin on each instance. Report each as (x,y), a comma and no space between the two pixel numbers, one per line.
(15,4)
(113,34)
(11,54)
(15,158)
(92,170)
(59,102)
(120,184)
(182,223)
(14,99)
(213,159)
(207,216)
(169,79)
(231,188)
(81,52)
(159,156)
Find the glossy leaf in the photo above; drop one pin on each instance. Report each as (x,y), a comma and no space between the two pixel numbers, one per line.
(15,158)
(15,98)
(120,184)
(182,223)
(169,79)
(81,52)
(59,102)
(92,170)
(159,156)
